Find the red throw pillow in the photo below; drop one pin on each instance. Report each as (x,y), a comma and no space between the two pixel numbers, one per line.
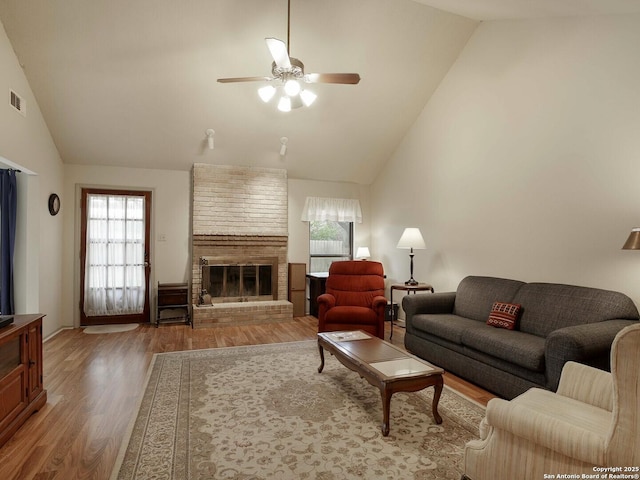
(504,315)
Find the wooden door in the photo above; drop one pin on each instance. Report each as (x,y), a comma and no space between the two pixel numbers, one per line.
(137,248)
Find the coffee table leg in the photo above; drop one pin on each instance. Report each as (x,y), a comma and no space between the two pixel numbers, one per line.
(321,358)
(386,407)
(434,405)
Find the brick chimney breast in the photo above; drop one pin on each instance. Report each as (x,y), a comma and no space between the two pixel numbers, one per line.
(239,212)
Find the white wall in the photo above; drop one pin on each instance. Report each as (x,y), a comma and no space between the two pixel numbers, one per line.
(170,224)
(25,143)
(526,161)
(299,190)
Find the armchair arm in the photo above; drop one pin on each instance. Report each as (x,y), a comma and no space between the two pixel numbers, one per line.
(325,301)
(560,424)
(589,343)
(378,303)
(428,303)
(587,384)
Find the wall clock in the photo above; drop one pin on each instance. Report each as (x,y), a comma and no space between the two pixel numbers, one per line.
(54,204)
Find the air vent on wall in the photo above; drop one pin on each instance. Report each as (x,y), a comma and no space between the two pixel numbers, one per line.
(18,103)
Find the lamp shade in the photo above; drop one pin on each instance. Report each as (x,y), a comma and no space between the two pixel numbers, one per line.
(633,242)
(411,238)
(362,253)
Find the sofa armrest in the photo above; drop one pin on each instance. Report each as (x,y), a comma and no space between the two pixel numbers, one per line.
(587,384)
(588,343)
(428,303)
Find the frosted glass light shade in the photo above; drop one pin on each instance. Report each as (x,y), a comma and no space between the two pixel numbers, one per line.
(284,105)
(362,253)
(266,93)
(411,238)
(308,97)
(292,87)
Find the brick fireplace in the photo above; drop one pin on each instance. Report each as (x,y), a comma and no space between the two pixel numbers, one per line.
(239,218)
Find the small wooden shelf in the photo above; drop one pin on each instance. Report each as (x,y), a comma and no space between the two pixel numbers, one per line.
(173,303)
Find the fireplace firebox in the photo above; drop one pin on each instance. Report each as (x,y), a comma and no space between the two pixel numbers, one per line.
(239,280)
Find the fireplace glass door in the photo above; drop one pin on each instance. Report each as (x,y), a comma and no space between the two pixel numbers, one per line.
(226,282)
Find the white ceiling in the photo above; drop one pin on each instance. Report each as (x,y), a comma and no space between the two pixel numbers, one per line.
(133,83)
(520,9)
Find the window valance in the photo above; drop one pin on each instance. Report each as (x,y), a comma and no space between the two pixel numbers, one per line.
(334,209)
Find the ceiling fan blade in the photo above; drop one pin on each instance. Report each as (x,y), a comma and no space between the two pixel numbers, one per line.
(346,78)
(279,52)
(244,79)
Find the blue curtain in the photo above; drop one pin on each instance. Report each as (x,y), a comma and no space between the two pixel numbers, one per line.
(8,200)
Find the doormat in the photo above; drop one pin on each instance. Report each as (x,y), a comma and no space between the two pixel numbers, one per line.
(96,329)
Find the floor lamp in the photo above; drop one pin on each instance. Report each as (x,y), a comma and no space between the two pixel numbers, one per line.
(411,238)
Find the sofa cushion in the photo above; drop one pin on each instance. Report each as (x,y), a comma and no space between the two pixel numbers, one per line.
(447,326)
(549,306)
(521,348)
(504,315)
(476,295)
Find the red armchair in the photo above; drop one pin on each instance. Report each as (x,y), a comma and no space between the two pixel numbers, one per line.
(354,298)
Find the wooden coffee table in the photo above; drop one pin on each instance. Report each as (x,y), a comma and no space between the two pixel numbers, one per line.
(383,365)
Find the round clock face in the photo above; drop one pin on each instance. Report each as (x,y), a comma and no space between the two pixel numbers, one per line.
(54,204)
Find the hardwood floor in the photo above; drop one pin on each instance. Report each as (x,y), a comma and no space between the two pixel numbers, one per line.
(94,383)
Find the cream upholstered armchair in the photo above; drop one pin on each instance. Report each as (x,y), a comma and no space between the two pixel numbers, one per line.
(593,420)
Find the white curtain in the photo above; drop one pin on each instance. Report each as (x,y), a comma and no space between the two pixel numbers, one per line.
(333,209)
(114,269)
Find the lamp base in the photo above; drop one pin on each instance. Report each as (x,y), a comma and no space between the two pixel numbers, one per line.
(411,282)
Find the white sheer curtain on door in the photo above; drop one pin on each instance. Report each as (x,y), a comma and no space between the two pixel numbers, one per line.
(114,268)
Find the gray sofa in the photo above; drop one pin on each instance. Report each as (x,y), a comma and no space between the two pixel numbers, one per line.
(557,323)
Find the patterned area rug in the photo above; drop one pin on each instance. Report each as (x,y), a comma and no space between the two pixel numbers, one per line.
(265,412)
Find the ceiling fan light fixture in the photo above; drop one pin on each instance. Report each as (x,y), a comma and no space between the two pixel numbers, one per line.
(266,93)
(292,87)
(288,74)
(308,97)
(284,105)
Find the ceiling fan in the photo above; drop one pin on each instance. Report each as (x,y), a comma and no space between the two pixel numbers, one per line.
(288,72)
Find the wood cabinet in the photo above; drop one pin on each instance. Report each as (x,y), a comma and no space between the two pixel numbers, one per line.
(21,384)
(297,288)
(173,303)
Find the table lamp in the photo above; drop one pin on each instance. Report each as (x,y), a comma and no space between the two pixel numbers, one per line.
(411,238)
(362,253)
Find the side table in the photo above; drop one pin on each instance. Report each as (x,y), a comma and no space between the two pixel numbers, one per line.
(317,282)
(421,287)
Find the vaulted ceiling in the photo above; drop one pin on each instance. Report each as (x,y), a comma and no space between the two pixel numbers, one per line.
(133,83)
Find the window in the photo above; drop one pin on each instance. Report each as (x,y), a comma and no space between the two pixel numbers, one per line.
(329,241)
